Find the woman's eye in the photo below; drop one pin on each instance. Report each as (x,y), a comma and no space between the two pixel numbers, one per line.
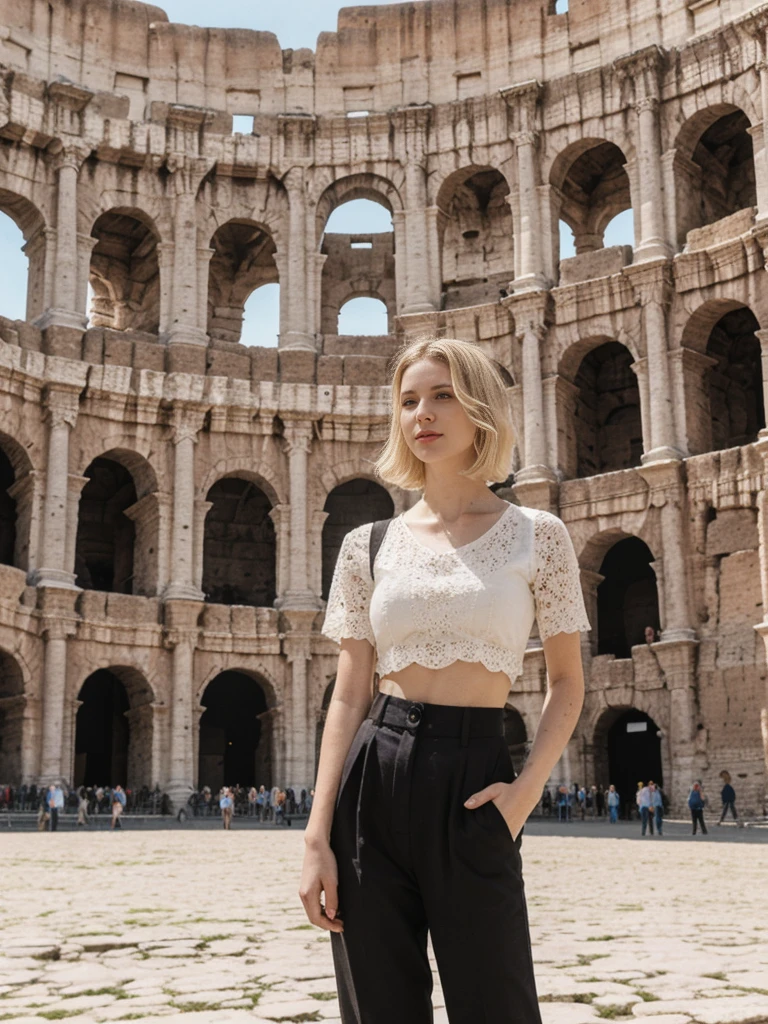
(441,394)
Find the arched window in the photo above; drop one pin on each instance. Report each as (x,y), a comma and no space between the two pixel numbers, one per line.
(359,217)
(239,545)
(242,266)
(627,598)
(15,269)
(124,274)
(261,317)
(363,316)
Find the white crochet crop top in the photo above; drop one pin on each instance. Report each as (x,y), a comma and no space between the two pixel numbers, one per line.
(475,603)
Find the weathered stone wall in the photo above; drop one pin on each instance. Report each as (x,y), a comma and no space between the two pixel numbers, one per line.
(173,500)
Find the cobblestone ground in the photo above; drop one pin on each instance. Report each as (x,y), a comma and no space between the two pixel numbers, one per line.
(207,926)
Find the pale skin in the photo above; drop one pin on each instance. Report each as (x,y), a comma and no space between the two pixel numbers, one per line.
(454,510)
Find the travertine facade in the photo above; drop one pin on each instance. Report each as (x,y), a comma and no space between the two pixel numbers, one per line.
(173,501)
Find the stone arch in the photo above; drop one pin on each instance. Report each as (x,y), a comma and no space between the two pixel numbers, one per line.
(115,739)
(235,735)
(591,178)
(16,502)
(731,409)
(600,416)
(627,595)
(243,260)
(714,171)
(476,236)
(627,749)
(239,543)
(118,525)
(366,293)
(31,223)
(13,702)
(348,505)
(351,273)
(265,477)
(125,271)
(370,186)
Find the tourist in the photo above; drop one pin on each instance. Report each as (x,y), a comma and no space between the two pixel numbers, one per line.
(227,804)
(613,800)
(728,797)
(262,800)
(643,799)
(696,803)
(581,796)
(394,766)
(82,806)
(55,804)
(657,807)
(118,806)
(563,804)
(252,801)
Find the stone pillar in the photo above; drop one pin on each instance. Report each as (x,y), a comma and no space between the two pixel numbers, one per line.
(65,310)
(182,585)
(759,135)
(299,740)
(653,242)
(419,241)
(641,72)
(762,337)
(61,411)
(298,325)
(59,622)
(298,445)
(181,638)
(184,325)
(652,286)
(529,239)
(530,328)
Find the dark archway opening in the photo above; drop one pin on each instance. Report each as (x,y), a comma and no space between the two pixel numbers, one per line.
(102,732)
(350,505)
(105,534)
(627,751)
(609,430)
(736,383)
(239,548)
(124,274)
(627,599)
(234,739)
(12,704)
(516,736)
(7,511)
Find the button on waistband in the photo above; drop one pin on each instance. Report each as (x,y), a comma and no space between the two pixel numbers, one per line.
(415,712)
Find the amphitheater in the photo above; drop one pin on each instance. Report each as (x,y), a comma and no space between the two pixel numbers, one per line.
(172,500)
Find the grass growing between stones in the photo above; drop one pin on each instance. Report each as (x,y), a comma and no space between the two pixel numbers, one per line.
(614,1012)
(576,997)
(322,995)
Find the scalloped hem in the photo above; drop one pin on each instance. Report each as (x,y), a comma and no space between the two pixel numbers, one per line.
(413,657)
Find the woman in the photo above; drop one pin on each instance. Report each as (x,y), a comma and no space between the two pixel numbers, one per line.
(417,817)
(696,803)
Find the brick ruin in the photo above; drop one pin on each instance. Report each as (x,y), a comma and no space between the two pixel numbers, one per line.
(172,501)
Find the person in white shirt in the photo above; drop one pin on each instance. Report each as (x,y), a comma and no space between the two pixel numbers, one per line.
(417,818)
(644,806)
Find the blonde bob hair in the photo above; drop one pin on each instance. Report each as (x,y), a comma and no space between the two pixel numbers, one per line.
(479,387)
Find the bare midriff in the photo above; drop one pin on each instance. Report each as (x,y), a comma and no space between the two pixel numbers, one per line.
(464,684)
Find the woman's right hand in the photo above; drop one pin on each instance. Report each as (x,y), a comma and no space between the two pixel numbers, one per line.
(320,874)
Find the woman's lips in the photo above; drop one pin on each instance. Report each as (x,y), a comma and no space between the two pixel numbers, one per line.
(429,437)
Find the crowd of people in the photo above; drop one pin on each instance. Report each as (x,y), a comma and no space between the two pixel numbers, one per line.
(265,805)
(649,804)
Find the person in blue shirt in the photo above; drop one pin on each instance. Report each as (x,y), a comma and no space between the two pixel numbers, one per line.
(55,804)
(118,806)
(227,804)
(696,802)
(657,806)
(613,800)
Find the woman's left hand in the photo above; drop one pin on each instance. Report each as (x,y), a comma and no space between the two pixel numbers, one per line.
(515,800)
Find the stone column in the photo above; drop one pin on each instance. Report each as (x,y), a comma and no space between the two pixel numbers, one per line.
(298,445)
(65,311)
(299,327)
(762,337)
(758,131)
(184,326)
(181,638)
(530,327)
(640,72)
(652,235)
(419,241)
(182,585)
(652,285)
(529,240)
(58,624)
(61,411)
(299,768)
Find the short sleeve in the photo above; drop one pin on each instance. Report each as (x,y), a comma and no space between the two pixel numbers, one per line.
(556,579)
(347,613)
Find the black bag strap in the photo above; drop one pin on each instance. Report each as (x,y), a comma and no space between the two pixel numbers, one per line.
(378,530)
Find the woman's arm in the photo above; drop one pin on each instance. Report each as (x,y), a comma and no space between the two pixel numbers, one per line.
(562,707)
(351,701)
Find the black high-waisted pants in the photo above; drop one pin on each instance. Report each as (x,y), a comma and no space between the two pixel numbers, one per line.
(411,859)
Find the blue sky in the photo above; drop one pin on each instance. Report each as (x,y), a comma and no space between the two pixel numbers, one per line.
(296,23)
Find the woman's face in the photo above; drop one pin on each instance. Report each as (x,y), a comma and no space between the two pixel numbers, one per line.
(429,403)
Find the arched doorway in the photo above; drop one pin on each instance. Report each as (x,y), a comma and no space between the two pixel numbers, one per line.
(627,751)
(12,702)
(516,736)
(114,730)
(105,534)
(627,598)
(235,740)
(239,546)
